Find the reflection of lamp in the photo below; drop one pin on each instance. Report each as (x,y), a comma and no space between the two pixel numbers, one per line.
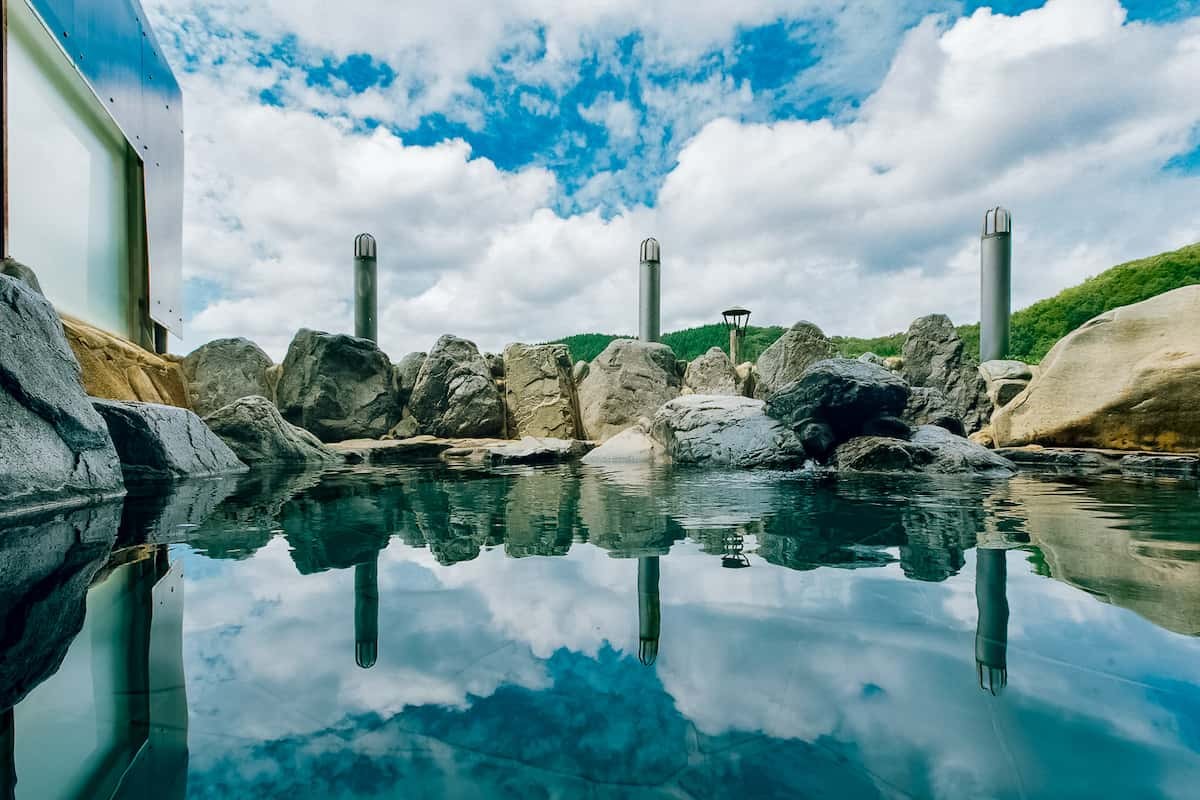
(366,613)
(991,634)
(736,320)
(732,556)
(649,610)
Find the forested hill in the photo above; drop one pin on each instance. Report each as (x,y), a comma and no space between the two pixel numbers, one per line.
(1034,329)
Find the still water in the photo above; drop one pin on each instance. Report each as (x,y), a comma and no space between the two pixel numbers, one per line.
(574,632)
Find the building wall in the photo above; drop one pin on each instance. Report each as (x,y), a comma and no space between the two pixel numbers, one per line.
(69,176)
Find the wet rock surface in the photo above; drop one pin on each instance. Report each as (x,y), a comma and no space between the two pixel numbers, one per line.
(338,387)
(56,447)
(930,449)
(256,432)
(157,441)
(724,431)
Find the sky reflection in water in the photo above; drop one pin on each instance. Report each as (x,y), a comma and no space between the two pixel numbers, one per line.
(847,660)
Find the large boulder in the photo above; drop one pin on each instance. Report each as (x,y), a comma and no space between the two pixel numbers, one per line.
(712,373)
(455,394)
(928,406)
(116,369)
(54,447)
(1005,380)
(934,356)
(726,431)
(843,393)
(256,432)
(630,379)
(158,441)
(408,369)
(539,391)
(634,445)
(1128,380)
(789,355)
(931,449)
(338,387)
(225,370)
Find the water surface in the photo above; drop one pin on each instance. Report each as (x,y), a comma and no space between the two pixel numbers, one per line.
(578,632)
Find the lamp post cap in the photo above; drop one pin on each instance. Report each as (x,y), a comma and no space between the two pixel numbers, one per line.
(736,311)
(651,250)
(364,246)
(997,222)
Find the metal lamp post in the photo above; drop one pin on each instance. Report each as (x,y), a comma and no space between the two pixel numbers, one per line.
(649,610)
(366,300)
(736,320)
(650,292)
(995,266)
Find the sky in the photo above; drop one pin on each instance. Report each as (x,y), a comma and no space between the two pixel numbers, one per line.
(810,159)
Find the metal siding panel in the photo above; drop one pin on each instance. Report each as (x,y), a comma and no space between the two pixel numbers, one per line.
(113,47)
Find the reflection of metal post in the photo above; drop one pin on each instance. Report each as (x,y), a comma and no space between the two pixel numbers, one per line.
(366,613)
(8,761)
(649,610)
(995,265)
(650,293)
(366,302)
(991,634)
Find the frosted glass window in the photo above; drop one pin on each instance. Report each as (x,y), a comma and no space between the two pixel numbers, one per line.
(68,213)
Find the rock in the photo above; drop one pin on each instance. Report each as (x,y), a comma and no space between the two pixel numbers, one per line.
(158,441)
(870,358)
(887,426)
(712,373)
(116,369)
(256,431)
(412,450)
(842,392)
(818,438)
(894,363)
(630,379)
(983,437)
(928,406)
(634,445)
(789,356)
(169,513)
(1002,370)
(934,357)
(953,453)
(407,369)
(495,364)
(1157,465)
(18,271)
(455,394)
(724,431)
(406,428)
(539,392)
(931,449)
(579,371)
(1128,380)
(55,448)
(534,450)
(1036,458)
(747,378)
(338,387)
(225,370)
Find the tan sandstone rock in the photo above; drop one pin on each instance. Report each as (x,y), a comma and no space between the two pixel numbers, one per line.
(627,381)
(1127,380)
(116,369)
(539,392)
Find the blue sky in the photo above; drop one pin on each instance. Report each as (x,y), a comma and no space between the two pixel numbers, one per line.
(490,132)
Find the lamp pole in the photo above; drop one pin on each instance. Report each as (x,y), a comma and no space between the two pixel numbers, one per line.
(995,267)
(736,320)
(366,300)
(650,292)
(366,574)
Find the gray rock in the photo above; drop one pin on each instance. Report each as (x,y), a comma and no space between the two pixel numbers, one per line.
(887,426)
(256,431)
(789,356)
(539,392)
(407,370)
(338,387)
(726,431)
(630,379)
(842,392)
(225,370)
(934,357)
(534,450)
(1006,370)
(157,441)
(455,394)
(15,269)
(953,453)
(712,373)
(54,447)
(406,428)
(818,438)
(928,406)
(1055,460)
(495,364)
(871,358)
(580,371)
(1002,392)
(747,378)
(931,449)
(1160,465)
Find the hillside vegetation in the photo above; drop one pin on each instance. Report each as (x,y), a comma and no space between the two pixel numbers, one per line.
(1034,329)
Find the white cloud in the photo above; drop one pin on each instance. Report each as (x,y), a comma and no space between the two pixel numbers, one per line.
(862,223)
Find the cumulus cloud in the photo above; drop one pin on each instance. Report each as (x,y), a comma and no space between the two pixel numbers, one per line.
(860,222)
